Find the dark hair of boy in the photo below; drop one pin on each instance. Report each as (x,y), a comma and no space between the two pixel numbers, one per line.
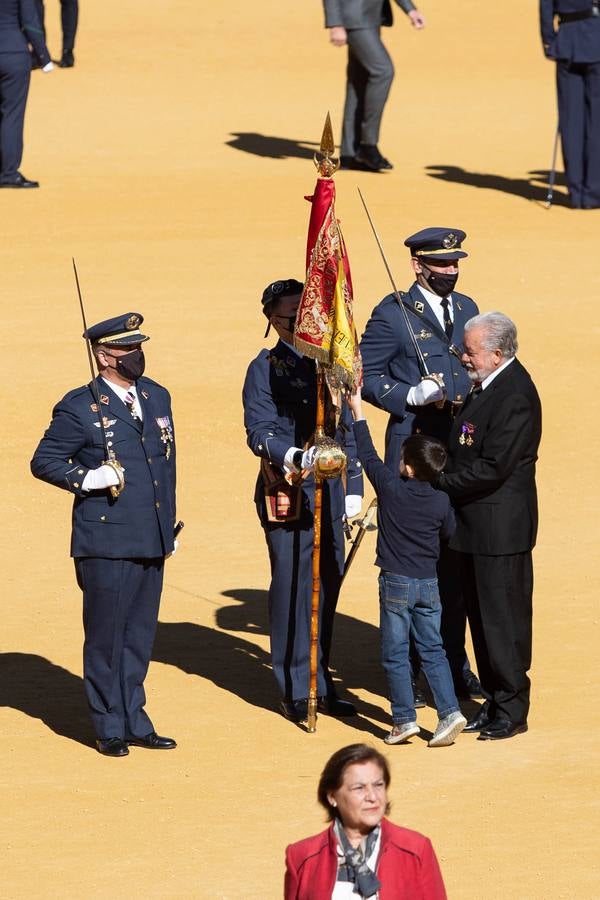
(425,455)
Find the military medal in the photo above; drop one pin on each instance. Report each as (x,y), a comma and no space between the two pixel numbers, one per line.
(467,430)
(166,433)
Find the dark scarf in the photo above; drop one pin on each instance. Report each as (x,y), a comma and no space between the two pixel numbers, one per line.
(356,870)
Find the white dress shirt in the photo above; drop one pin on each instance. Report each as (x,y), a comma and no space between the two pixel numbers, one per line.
(435,302)
(122,392)
(487,381)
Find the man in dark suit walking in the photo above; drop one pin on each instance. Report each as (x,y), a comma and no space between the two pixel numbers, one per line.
(119,543)
(490,479)
(369,74)
(576,48)
(19,23)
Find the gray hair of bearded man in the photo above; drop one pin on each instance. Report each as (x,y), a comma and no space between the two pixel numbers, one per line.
(499,332)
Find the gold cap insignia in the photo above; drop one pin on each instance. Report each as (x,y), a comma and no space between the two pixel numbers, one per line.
(132,323)
(450,241)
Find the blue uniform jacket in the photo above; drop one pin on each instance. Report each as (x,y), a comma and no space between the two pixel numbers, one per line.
(279,398)
(391,367)
(577,42)
(139,523)
(20,23)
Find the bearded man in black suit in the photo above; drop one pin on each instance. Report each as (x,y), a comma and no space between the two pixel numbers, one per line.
(490,479)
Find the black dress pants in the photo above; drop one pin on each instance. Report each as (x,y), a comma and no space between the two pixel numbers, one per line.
(15,72)
(498,592)
(578,87)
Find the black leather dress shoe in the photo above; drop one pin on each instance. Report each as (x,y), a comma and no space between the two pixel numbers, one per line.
(112,747)
(368,155)
(481,720)
(467,687)
(500,729)
(67,60)
(333,706)
(153,741)
(18,181)
(419,700)
(294,710)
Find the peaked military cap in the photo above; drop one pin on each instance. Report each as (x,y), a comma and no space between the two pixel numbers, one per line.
(121,331)
(283,288)
(439,243)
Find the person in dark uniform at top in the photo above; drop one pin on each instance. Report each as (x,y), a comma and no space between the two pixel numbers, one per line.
(575,46)
(69,14)
(392,381)
(119,544)
(279,398)
(19,24)
(369,74)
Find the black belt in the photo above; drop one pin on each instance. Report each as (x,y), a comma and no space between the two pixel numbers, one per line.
(578,16)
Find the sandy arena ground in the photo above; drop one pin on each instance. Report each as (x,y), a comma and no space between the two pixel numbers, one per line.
(173,160)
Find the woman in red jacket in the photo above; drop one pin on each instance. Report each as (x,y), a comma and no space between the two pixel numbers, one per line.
(361,854)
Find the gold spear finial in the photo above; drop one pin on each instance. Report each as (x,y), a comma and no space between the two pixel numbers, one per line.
(325,159)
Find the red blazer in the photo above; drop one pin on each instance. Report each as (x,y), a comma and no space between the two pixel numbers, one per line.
(407,866)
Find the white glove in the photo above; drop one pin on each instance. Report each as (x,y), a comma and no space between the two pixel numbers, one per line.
(353,505)
(308,459)
(426,391)
(97,479)
(48,67)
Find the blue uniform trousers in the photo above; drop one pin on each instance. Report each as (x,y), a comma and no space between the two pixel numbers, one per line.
(578,87)
(15,72)
(290,598)
(120,610)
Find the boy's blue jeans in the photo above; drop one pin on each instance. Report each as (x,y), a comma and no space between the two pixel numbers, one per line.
(412,605)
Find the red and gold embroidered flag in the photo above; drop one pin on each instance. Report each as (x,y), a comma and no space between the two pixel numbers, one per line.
(325,328)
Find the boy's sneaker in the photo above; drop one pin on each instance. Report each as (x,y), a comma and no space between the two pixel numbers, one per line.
(401,733)
(448,730)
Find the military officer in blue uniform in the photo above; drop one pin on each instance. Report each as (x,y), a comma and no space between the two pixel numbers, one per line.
(575,46)
(279,398)
(392,381)
(19,27)
(119,543)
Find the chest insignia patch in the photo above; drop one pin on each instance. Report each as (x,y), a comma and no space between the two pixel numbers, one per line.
(298,383)
(108,423)
(423,335)
(280,365)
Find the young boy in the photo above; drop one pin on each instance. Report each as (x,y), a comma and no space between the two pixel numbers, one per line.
(412,518)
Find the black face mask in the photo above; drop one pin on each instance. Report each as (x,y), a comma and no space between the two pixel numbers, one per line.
(131,366)
(440,284)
